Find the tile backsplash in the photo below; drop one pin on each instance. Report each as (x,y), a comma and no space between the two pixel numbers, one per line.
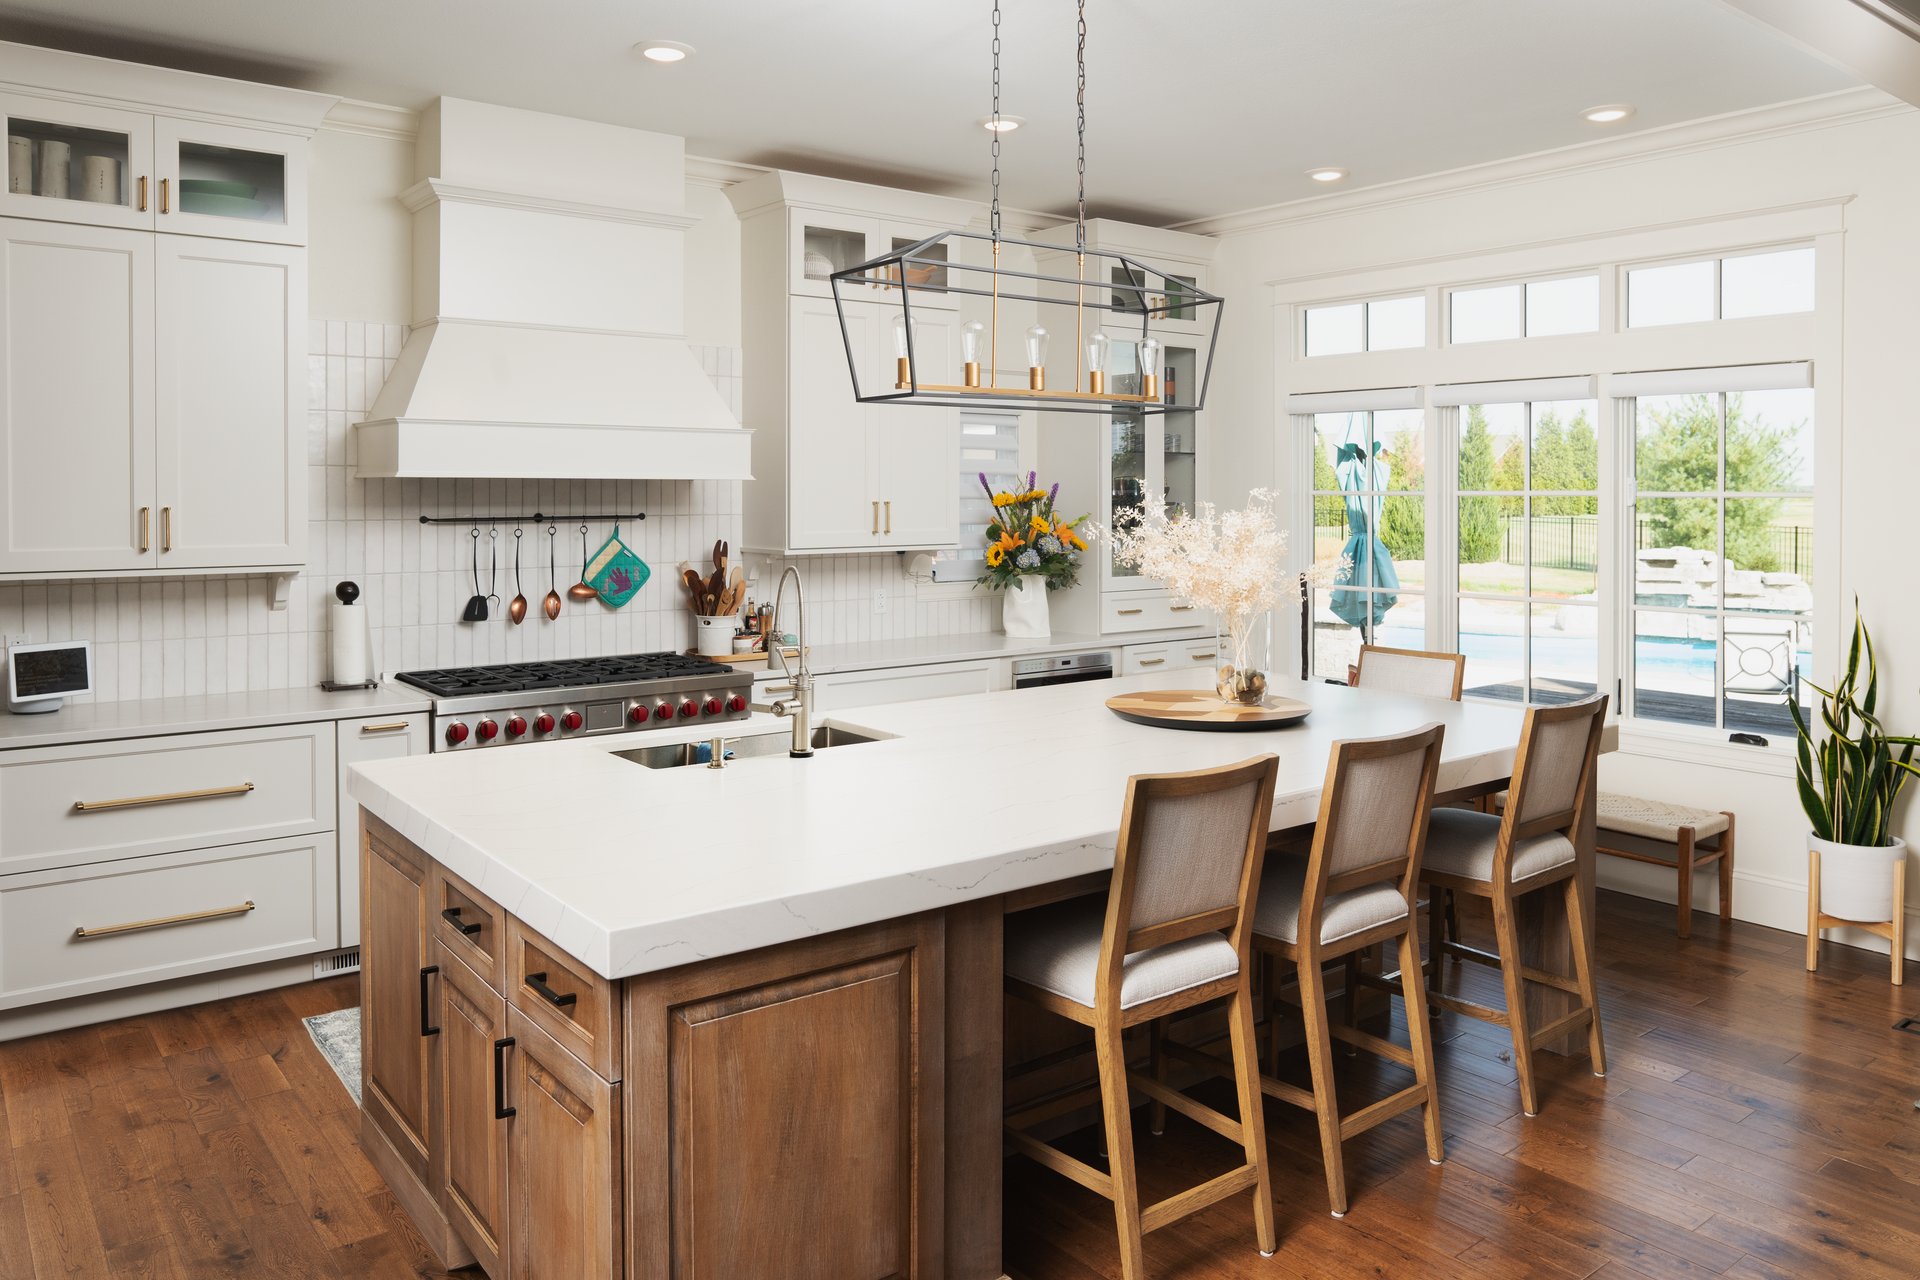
(182,636)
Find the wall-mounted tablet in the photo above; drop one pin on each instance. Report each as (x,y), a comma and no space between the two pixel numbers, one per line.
(41,677)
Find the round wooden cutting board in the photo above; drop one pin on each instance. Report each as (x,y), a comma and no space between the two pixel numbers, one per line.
(1201,709)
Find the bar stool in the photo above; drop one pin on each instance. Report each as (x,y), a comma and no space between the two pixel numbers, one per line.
(1416,671)
(1355,890)
(1526,849)
(1184,873)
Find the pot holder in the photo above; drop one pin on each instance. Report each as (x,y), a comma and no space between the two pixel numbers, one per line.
(615,572)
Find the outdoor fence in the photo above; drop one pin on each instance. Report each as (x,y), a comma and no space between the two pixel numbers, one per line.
(1573,542)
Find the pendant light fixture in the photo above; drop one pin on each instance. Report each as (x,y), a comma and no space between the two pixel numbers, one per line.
(1120,312)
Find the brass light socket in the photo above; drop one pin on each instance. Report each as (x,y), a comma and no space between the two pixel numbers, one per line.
(1096,382)
(1149,385)
(1036,378)
(973,373)
(904,372)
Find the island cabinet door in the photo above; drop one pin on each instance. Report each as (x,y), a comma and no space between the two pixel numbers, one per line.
(398,1042)
(563,1162)
(473,1190)
(786,1110)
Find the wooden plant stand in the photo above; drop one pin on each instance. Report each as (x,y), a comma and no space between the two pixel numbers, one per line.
(1894,930)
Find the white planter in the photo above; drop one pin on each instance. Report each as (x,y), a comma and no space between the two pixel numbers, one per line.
(1024,615)
(713,635)
(1856,881)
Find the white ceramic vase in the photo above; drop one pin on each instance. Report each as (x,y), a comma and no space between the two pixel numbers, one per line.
(1024,615)
(1856,881)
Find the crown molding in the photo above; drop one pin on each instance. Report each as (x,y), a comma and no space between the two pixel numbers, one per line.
(1847,106)
(705,171)
(121,86)
(430,191)
(372,120)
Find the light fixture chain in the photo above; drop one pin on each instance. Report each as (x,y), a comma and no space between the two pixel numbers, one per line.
(994,221)
(1080,100)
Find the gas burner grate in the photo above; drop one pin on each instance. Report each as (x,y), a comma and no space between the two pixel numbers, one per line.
(560,673)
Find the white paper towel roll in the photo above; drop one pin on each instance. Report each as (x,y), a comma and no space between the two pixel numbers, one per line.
(100,179)
(352,643)
(55,159)
(19,165)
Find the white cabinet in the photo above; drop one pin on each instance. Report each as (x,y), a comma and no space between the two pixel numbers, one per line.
(844,690)
(234,183)
(832,474)
(1138,659)
(48,143)
(374,738)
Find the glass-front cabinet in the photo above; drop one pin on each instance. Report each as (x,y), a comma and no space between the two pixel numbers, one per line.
(1149,455)
(69,162)
(821,243)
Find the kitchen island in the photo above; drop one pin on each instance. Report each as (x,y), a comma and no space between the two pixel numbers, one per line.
(624,1021)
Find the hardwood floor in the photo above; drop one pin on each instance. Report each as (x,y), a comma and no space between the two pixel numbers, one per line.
(1758,1124)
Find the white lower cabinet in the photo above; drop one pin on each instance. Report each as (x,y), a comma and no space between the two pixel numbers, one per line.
(1139,659)
(78,930)
(843,690)
(374,738)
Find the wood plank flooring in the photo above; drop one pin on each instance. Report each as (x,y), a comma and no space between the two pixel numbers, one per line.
(1758,1124)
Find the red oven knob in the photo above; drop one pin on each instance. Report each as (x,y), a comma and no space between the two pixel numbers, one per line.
(663,712)
(638,715)
(571,721)
(488,731)
(736,703)
(456,734)
(543,725)
(516,727)
(714,706)
(689,709)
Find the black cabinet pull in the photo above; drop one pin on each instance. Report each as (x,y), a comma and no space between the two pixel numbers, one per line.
(426,973)
(501,1111)
(452,916)
(538,981)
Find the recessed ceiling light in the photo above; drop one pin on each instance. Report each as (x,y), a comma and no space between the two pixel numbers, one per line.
(1326,174)
(663,50)
(1007,123)
(1612,113)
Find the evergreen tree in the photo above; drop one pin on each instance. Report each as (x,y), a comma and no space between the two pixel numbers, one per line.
(1678,450)
(1403,521)
(1479,517)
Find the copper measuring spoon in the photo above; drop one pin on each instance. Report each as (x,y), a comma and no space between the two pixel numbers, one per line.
(552,602)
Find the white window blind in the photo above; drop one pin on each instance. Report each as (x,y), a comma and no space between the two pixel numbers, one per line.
(1738,377)
(1354,401)
(1514,391)
(989,444)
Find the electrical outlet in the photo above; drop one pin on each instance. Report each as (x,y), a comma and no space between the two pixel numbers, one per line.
(18,638)
(879,599)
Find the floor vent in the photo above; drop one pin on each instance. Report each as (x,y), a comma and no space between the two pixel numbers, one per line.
(1908,1024)
(337,963)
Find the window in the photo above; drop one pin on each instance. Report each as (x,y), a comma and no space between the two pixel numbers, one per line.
(1528,555)
(1369,525)
(1779,282)
(1723,557)
(989,445)
(1392,324)
(1535,309)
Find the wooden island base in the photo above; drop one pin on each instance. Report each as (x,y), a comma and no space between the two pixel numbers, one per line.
(825,1107)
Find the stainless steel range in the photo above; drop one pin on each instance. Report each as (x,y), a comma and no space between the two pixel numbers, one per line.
(518,702)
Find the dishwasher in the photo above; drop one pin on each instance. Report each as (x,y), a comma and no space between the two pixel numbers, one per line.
(1031,673)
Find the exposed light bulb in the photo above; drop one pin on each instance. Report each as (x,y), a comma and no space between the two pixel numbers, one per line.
(973,340)
(1150,368)
(1037,357)
(905,330)
(1099,346)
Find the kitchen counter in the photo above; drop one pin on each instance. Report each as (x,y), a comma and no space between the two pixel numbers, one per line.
(147,717)
(633,870)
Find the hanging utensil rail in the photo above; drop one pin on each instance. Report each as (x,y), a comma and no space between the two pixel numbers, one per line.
(536,518)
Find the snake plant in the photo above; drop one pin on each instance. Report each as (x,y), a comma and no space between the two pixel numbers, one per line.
(1849,793)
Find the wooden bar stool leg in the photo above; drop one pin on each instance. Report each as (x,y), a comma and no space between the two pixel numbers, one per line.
(1414,992)
(1686,882)
(1507,939)
(1253,1115)
(1326,1107)
(1352,998)
(1453,918)
(1813,910)
(1435,956)
(1111,1050)
(1582,930)
(1156,1037)
(1726,869)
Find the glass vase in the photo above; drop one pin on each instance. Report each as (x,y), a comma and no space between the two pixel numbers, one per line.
(1238,681)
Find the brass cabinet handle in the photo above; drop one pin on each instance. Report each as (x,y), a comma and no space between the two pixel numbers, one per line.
(163,193)
(1151,662)
(889,507)
(88,806)
(1125,612)
(876,519)
(1179,608)
(166,528)
(1202,657)
(143,193)
(214,914)
(383,728)
(145,512)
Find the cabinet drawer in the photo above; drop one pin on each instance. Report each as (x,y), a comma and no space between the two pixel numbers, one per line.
(70,806)
(469,924)
(1139,659)
(182,907)
(1148,612)
(373,738)
(578,1007)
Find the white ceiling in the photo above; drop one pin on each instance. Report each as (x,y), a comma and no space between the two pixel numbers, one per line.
(1194,108)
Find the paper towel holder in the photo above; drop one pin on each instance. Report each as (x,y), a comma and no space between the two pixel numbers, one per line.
(347,593)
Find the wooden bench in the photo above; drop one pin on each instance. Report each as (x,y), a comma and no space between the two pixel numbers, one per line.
(1667,835)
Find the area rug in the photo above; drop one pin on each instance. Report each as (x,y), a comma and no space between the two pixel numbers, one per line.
(338,1036)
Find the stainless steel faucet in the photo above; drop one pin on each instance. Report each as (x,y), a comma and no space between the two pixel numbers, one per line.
(797,692)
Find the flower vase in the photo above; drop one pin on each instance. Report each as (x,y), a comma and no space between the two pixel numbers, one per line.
(1236,681)
(1024,615)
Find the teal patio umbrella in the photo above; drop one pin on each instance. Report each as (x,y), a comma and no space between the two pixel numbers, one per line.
(1358,473)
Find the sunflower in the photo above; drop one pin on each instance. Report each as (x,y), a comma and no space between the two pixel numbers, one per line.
(1039,525)
(994,556)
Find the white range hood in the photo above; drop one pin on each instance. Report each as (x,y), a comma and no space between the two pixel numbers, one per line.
(548,343)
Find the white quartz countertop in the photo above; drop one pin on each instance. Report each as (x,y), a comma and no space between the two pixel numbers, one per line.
(633,869)
(972,646)
(146,717)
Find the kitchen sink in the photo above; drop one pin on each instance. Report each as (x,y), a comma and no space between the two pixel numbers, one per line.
(678,755)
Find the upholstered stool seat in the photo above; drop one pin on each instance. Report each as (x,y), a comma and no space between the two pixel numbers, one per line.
(1057,948)
(1461,842)
(1284,884)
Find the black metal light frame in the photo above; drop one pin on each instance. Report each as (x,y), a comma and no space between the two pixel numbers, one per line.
(890,271)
